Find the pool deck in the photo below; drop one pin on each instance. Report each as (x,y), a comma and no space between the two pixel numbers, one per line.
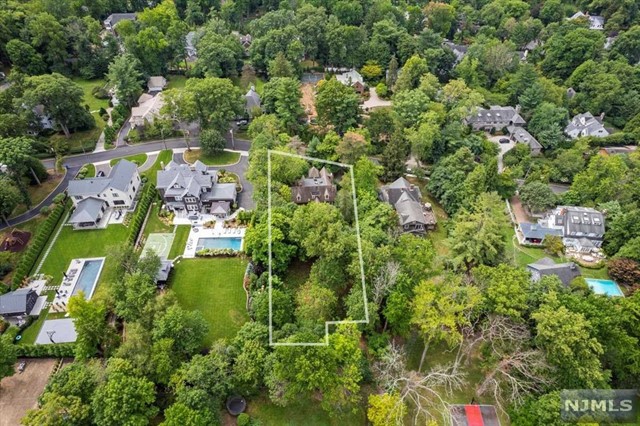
(65,290)
(218,231)
(605,287)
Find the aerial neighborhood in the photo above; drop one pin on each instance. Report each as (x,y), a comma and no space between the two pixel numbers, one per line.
(303,213)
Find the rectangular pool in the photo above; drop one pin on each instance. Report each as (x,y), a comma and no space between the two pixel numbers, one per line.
(219,243)
(606,287)
(88,278)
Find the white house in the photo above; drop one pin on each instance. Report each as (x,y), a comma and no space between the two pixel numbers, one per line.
(93,197)
(147,110)
(586,125)
(156,83)
(595,22)
(114,18)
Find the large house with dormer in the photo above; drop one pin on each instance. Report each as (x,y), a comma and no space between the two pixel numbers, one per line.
(92,197)
(413,216)
(496,118)
(195,189)
(586,124)
(317,186)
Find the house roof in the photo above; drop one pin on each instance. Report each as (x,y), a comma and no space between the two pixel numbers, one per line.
(222,192)
(586,125)
(410,211)
(180,179)
(391,193)
(220,207)
(309,188)
(114,18)
(122,174)
(164,270)
(252,99)
(15,302)
(565,271)
(87,210)
(496,113)
(407,201)
(150,107)
(584,220)
(474,415)
(119,177)
(156,81)
(521,135)
(537,231)
(199,166)
(350,77)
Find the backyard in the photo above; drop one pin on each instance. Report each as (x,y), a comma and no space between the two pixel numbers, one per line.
(213,287)
(300,412)
(224,158)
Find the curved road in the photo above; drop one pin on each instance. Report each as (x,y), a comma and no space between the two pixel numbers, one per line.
(75,162)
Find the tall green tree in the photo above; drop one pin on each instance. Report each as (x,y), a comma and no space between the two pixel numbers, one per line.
(10,197)
(281,96)
(8,357)
(337,105)
(95,336)
(126,78)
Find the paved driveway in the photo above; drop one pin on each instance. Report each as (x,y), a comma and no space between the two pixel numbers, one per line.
(504,148)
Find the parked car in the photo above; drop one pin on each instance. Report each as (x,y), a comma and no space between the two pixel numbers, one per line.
(504,140)
(22,366)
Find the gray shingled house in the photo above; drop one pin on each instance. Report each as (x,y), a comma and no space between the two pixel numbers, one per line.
(521,135)
(586,125)
(18,303)
(318,186)
(252,100)
(195,189)
(546,266)
(114,18)
(405,198)
(496,118)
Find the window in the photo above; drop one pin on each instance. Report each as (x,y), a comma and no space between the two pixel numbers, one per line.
(178,198)
(115,194)
(78,197)
(118,202)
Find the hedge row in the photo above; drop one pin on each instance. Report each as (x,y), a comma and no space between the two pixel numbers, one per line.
(148,194)
(217,252)
(30,257)
(615,139)
(58,350)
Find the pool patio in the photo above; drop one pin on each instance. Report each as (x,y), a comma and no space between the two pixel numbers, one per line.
(218,231)
(604,287)
(70,282)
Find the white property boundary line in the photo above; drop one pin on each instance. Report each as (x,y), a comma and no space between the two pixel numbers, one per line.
(355,210)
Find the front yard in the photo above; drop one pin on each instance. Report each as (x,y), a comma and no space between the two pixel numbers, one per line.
(37,193)
(214,287)
(139,159)
(224,158)
(163,158)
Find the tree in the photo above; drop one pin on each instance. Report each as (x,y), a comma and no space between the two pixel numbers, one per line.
(94,335)
(624,271)
(386,410)
(394,157)
(125,77)
(412,71)
(179,414)
(125,398)
(476,237)
(212,142)
(337,105)
(204,381)
(281,304)
(504,288)
(281,96)
(25,58)
(280,67)
(537,196)
(256,245)
(219,53)
(8,357)
(132,294)
(553,245)
(10,197)
(57,409)
(439,17)
(547,123)
(410,105)
(319,230)
(604,179)
(16,155)
(352,147)
(566,50)
(627,45)
(62,100)
(441,309)
(186,328)
(78,380)
(371,71)
(392,72)
(315,304)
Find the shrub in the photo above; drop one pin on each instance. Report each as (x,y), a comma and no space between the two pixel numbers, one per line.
(625,271)
(46,351)
(382,90)
(244,419)
(217,252)
(45,210)
(100,92)
(59,198)
(148,194)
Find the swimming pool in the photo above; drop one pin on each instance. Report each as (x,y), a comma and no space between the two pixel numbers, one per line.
(606,287)
(219,243)
(88,277)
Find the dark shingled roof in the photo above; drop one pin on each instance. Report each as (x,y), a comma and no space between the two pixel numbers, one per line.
(15,302)
(546,266)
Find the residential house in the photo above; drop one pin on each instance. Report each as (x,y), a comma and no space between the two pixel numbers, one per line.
(474,415)
(147,111)
(496,118)
(245,40)
(190,46)
(586,125)
(581,228)
(406,199)
(156,84)
(318,187)
(546,266)
(352,78)
(42,121)
(459,50)
(595,22)
(162,276)
(195,189)
(114,18)
(521,135)
(93,197)
(21,303)
(571,92)
(252,100)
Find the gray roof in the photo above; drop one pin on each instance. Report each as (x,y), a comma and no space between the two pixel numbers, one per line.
(459,50)
(521,135)
(121,174)
(586,125)
(252,99)
(15,302)
(119,177)
(156,81)
(580,221)
(317,186)
(87,210)
(200,166)
(407,201)
(220,207)
(496,113)
(409,210)
(222,192)
(180,179)
(163,270)
(546,266)
(391,193)
(114,18)
(536,231)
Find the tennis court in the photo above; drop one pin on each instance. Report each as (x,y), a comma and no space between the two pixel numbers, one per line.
(160,244)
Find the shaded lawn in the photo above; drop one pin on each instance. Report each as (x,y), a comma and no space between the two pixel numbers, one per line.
(139,159)
(87,86)
(179,241)
(224,158)
(213,286)
(164,157)
(77,140)
(301,412)
(176,82)
(37,193)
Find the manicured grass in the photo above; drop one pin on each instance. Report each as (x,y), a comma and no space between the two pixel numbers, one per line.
(37,193)
(213,286)
(164,157)
(179,241)
(91,170)
(225,157)
(139,159)
(87,86)
(154,224)
(300,412)
(176,82)
(73,244)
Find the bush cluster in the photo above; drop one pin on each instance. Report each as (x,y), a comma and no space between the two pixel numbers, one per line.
(217,252)
(45,351)
(148,194)
(29,258)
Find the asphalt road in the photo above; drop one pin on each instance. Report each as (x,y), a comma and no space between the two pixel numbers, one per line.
(75,162)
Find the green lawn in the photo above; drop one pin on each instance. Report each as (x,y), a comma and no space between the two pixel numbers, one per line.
(176,82)
(179,241)
(225,157)
(164,157)
(301,412)
(87,86)
(91,170)
(154,224)
(213,286)
(139,159)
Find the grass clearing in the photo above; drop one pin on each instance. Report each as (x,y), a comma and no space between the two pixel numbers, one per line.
(139,159)
(164,157)
(176,82)
(91,170)
(224,158)
(213,286)
(179,241)
(154,224)
(297,273)
(302,411)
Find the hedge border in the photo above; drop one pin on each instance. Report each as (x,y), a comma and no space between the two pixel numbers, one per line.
(148,195)
(58,350)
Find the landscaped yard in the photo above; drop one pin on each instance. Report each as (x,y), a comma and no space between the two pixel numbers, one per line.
(164,157)
(139,159)
(214,287)
(300,412)
(176,82)
(91,170)
(154,224)
(224,158)
(179,241)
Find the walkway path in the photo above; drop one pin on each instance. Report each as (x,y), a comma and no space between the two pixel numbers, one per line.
(100,145)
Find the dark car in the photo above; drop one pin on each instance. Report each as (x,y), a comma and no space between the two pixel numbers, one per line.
(504,140)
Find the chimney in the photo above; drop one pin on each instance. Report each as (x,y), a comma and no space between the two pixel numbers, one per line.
(518,109)
(601,116)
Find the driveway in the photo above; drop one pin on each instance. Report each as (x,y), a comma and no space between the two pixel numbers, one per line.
(504,148)
(374,101)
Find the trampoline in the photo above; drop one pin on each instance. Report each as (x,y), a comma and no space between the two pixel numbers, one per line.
(236,405)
